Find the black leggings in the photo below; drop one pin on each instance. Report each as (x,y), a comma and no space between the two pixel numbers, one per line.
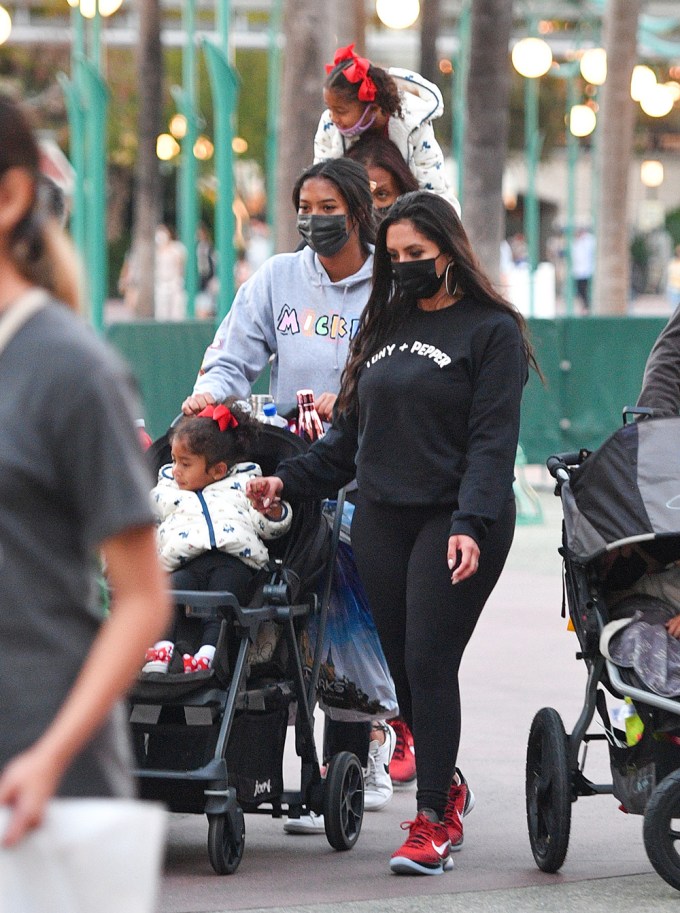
(213,570)
(425,622)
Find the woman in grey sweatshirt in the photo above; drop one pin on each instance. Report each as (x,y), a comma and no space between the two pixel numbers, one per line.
(301,308)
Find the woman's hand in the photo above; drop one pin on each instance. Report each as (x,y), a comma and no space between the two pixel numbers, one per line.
(324,406)
(463,557)
(262,492)
(27,783)
(673,626)
(195,403)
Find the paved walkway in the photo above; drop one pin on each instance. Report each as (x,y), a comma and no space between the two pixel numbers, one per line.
(520,659)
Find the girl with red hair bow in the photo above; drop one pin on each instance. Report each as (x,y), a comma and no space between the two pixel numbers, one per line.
(209,536)
(364,100)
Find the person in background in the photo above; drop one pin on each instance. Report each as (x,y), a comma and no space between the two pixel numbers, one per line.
(72,483)
(364,100)
(171,259)
(303,308)
(388,173)
(205,261)
(583,264)
(435,375)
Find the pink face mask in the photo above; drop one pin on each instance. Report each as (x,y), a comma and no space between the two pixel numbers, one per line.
(361,125)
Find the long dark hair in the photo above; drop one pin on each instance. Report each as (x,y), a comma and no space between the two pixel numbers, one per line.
(387,97)
(38,248)
(351,181)
(380,152)
(435,218)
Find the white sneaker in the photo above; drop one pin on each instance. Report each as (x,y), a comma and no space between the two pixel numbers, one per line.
(305,824)
(377,782)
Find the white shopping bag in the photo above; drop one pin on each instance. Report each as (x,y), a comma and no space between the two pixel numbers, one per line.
(89,856)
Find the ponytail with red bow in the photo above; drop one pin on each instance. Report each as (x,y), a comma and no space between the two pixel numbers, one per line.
(220,414)
(356,71)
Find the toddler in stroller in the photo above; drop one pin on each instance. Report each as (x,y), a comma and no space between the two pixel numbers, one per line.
(212,742)
(209,536)
(620,544)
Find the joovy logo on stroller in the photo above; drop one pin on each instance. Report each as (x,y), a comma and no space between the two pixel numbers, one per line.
(262,789)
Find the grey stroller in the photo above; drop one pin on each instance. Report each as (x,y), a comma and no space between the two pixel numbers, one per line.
(621,508)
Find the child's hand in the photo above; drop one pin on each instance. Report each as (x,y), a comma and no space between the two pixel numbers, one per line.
(274,511)
(263,492)
(673,626)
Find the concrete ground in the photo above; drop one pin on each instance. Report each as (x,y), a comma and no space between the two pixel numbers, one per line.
(521,658)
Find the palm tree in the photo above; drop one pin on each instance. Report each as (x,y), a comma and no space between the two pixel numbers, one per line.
(308,28)
(486,134)
(147,198)
(430,26)
(617,124)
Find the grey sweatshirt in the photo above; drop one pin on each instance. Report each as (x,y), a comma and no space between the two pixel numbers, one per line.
(661,383)
(288,309)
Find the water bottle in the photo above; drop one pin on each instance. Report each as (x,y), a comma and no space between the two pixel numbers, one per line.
(272,417)
(309,425)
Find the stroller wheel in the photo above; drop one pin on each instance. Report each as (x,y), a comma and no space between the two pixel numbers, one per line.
(343,800)
(661,829)
(226,843)
(548,790)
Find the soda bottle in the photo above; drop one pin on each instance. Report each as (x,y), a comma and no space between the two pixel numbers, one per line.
(144,436)
(309,425)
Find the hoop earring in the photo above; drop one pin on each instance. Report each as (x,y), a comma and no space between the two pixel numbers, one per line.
(446,280)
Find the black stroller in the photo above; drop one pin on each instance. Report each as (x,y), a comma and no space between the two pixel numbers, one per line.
(212,742)
(619,502)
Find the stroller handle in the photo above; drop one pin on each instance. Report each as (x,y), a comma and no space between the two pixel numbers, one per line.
(558,465)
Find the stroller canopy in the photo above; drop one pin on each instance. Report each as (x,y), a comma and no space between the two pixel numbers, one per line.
(626,491)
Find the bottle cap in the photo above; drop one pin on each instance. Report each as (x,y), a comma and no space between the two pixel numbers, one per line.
(269,408)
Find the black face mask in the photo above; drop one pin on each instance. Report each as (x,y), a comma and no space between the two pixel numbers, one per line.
(417,278)
(325,234)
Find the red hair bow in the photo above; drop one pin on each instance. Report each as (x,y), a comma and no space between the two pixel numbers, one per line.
(220,414)
(357,71)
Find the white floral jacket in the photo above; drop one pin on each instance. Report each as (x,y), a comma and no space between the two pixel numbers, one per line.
(219,516)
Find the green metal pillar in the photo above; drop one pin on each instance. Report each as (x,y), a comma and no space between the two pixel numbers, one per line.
(273,107)
(76,117)
(97,99)
(460,77)
(189,208)
(224,82)
(572,162)
(532,142)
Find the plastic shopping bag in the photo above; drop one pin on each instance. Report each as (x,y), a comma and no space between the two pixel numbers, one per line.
(354,681)
(88,856)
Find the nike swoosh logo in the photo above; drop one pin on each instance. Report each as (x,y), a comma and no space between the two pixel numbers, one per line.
(440,850)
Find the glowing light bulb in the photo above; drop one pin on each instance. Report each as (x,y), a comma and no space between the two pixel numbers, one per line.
(532,57)
(642,80)
(582,120)
(5,25)
(594,66)
(397,14)
(657,101)
(167,147)
(651,173)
